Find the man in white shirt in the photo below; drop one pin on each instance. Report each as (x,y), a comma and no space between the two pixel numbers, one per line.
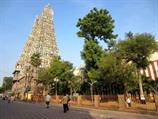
(129,101)
(47,100)
(142,98)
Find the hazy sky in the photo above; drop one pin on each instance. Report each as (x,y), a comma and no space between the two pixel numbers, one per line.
(17,18)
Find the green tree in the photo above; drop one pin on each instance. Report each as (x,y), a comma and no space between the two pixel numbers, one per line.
(91,54)
(44,78)
(62,70)
(150,85)
(137,49)
(35,62)
(113,70)
(97,25)
(2,89)
(75,84)
(129,34)
(7,83)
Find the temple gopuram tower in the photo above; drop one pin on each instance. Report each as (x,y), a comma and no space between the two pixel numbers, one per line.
(41,40)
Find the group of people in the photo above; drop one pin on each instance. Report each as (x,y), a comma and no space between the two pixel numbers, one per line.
(9,98)
(65,100)
(129,100)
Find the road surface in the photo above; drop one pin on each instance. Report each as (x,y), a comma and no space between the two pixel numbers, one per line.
(22,110)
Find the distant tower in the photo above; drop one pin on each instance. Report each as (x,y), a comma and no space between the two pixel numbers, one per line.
(41,40)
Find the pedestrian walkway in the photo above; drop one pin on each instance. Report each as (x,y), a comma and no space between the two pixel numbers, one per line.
(22,110)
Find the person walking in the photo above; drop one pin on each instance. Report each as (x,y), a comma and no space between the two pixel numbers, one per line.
(68,99)
(65,103)
(9,99)
(12,98)
(142,99)
(47,100)
(129,101)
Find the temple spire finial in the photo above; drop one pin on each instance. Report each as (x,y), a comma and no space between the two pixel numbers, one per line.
(48,8)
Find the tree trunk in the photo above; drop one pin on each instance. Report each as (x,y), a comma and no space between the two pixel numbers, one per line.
(71,91)
(44,91)
(142,98)
(141,87)
(91,88)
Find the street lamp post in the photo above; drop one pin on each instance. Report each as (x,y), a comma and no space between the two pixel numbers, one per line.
(56,89)
(91,90)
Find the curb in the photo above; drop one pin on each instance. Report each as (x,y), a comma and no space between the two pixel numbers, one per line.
(99,110)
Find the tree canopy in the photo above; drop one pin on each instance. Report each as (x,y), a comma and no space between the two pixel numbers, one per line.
(138,49)
(97,25)
(60,69)
(91,54)
(7,83)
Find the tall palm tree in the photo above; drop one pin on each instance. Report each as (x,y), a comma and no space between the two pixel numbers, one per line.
(35,62)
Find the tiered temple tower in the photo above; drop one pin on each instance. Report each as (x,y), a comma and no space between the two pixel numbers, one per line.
(41,40)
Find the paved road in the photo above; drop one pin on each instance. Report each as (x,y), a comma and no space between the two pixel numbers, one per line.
(20,110)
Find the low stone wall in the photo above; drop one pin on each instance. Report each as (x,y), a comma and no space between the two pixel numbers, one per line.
(83,100)
(106,101)
(156,102)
